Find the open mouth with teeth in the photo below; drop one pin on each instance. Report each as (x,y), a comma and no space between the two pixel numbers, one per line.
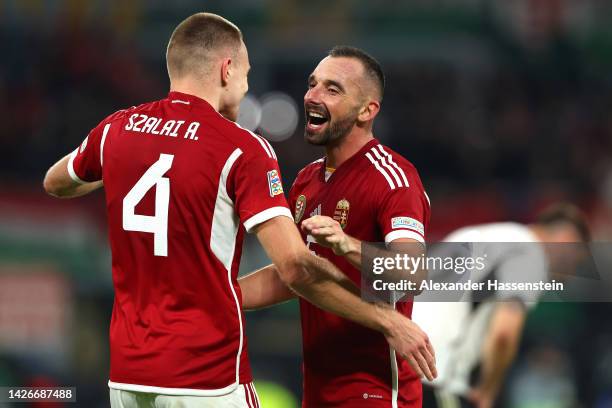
(316,120)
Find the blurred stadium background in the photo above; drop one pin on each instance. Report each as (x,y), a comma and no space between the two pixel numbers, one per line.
(503,106)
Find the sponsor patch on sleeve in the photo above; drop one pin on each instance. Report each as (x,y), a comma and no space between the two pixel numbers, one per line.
(407,222)
(274,183)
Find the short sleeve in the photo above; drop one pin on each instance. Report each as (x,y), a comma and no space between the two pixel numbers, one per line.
(526,264)
(404,213)
(258,190)
(85,164)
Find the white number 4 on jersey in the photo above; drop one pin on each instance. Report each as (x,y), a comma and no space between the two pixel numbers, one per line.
(157,224)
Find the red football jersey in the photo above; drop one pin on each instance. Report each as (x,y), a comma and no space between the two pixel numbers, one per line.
(181,181)
(377,196)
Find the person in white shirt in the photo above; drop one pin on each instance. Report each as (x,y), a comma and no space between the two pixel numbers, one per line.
(476,339)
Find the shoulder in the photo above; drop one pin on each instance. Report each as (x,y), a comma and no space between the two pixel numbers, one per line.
(122,114)
(310,170)
(389,170)
(251,144)
(115,117)
(492,232)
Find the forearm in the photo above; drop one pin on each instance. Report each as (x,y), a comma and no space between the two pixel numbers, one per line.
(403,257)
(263,288)
(405,337)
(331,290)
(500,346)
(58,182)
(359,253)
(353,252)
(320,282)
(497,357)
(78,190)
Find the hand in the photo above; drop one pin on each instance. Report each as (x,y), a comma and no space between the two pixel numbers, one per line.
(480,398)
(328,232)
(412,344)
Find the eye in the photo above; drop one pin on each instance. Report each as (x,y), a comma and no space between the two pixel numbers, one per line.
(333,91)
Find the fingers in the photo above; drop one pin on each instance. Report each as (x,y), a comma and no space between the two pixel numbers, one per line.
(318,221)
(322,227)
(421,361)
(423,366)
(415,366)
(323,231)
(429,355)
(431,362)
(421,357)
(426,363)
(431,349)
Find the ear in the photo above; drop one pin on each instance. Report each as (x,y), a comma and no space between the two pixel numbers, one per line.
(226,71)
(369,112)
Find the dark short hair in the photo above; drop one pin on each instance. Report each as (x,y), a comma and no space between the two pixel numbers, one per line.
(195,38)
(564,213)
(372,67)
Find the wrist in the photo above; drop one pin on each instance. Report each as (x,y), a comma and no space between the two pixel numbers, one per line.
(386,319)
(485,392)
(347,246)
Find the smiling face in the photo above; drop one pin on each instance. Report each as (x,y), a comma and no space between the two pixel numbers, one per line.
(337,94)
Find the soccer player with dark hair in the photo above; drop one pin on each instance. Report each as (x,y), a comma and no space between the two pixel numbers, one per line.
(477,338)
(183,183)
(361,191)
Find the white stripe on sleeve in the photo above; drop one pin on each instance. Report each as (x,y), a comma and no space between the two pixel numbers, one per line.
(384,163)
(399,169)
(71,171)
(266,215)
(104,133)
(381,170)
(403,233)
(264,144)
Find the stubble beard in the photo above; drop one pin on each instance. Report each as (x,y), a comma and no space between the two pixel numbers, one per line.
(336,131)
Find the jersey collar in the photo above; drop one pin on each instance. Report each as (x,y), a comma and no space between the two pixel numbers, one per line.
(348,163)
(189,100)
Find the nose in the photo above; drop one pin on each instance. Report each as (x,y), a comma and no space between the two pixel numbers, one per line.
(312,96)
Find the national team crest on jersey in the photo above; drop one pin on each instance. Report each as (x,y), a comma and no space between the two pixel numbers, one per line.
(300,206)
(342,211)
(274,183)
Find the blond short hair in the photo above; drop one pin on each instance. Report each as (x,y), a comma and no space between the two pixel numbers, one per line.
(195,42)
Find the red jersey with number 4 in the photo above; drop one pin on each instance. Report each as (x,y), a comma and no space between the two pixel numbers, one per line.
(376,196)
(181,182)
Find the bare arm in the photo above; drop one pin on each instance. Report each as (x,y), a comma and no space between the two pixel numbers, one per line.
(263,288)
(499,349)
(318,281)
(327,232)
(58,182)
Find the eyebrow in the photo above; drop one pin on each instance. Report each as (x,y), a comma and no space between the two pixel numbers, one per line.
(328,82)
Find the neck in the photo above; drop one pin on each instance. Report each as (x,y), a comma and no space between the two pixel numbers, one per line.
(539,232)
(188,86)
(347,146)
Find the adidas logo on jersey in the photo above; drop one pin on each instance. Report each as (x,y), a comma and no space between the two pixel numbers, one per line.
(317,211)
